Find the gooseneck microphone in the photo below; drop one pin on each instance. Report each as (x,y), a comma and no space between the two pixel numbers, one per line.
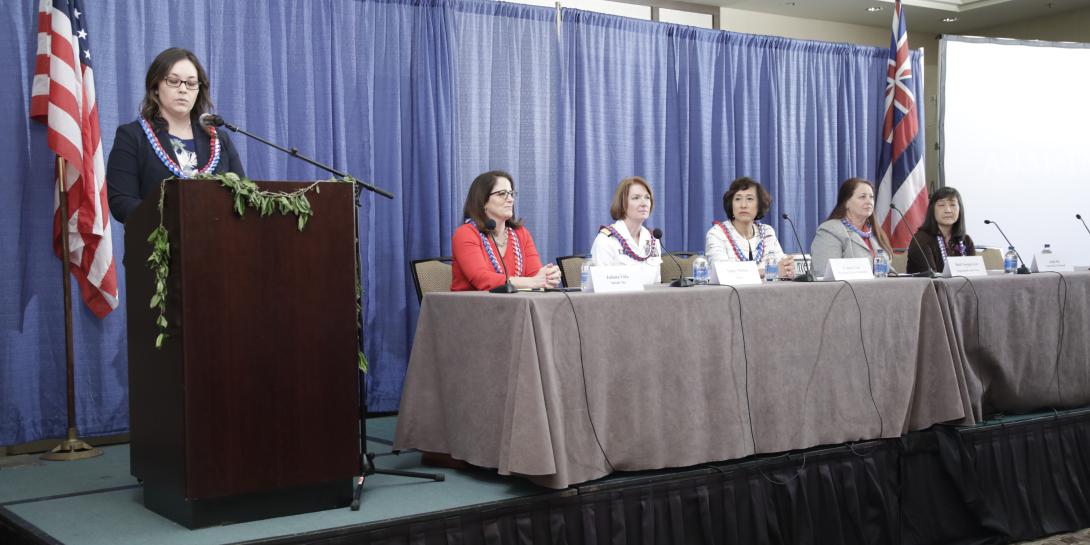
(507,287)
(1079,217)
(1023,269)
(681,281)
(212,120)
(809,276)
(926,260)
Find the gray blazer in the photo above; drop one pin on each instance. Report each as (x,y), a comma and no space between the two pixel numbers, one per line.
(834,241)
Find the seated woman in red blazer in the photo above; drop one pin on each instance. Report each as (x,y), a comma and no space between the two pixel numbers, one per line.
(492,247)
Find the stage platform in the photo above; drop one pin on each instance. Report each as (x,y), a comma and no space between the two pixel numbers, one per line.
(1007,480)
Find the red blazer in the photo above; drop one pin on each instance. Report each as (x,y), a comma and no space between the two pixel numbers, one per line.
(471,268)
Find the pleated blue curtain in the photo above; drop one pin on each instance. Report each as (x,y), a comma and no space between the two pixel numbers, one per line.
(418,97)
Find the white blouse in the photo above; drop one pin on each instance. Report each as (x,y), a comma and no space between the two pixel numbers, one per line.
(607,250)
(717,246)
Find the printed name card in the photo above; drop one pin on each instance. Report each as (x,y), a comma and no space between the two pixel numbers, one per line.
(1050,262)
(972,265)
(735,273)
(854,268)
(615,279)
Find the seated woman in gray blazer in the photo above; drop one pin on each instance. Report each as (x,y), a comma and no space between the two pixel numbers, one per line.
(850,229)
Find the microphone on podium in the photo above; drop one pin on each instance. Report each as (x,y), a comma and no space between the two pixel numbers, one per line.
(507,287)
(1023,269)
(681,281)
(809,275)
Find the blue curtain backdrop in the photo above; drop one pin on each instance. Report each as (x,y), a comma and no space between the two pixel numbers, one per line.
(418,97)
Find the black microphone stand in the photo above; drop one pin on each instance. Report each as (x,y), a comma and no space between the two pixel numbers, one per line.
(930,273)
(1022,269)
(1079,217)
(681,281)
(367,459)
(808,276)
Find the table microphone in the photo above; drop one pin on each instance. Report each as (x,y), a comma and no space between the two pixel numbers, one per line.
(507,287)
(809,275)
(681,281)
(926,260)
(1021,270)
(1079,217)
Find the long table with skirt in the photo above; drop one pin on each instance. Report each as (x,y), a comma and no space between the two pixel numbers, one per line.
(564,388)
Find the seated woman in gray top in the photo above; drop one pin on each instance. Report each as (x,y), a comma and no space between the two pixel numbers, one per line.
(851,229)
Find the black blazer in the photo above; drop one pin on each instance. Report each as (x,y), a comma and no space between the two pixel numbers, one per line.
(134,171)
(933,253)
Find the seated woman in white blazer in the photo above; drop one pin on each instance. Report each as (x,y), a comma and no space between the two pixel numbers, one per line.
(627,241)
(743,237)
(851,228)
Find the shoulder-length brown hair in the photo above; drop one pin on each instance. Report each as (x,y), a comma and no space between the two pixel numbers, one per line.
(764,200)
(847,189)
(620,196)
(479,193)
(158,71)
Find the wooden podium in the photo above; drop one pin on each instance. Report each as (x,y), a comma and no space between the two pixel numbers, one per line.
(250,409)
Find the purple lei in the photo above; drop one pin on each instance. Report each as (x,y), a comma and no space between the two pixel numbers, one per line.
(738,250)
(514,238)
(628,251)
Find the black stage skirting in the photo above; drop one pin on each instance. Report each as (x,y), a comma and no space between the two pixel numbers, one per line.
(1008,481)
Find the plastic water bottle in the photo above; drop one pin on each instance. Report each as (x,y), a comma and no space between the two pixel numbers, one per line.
(700,270)
(1047,250)
(881,264)
(584,274)
(1010,261)
(772,267)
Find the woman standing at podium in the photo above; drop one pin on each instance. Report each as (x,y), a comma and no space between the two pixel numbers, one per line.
(627,241)
(492,247)
(941,235)
(851,230)
(167,139)
(743,237)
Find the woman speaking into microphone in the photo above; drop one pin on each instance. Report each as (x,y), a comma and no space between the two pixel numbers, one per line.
(167,139)
(492,247)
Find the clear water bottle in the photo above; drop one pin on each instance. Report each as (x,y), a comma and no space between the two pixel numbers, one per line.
(1047,250)
(700,270)
(772,267)
(1010,261)
(881,264)
(584,274)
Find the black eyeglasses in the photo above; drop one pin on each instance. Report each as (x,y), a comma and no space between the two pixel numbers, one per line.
(503,194)
(191,84)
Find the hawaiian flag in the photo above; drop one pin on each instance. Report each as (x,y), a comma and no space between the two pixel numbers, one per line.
(63,98)
(902,180)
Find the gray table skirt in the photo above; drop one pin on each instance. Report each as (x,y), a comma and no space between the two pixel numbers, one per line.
(567,388)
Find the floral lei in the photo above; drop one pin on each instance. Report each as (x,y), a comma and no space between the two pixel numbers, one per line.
(738,249)
(514,238)
(862,234)
(628,251)
(942,247)
(173,167)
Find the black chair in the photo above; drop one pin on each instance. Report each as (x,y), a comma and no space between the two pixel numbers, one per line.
(431,275)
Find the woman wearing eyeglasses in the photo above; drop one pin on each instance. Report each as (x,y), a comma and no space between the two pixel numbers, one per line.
(167,140)
(627,241)
(492,247)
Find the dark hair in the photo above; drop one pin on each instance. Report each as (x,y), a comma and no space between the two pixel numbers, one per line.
(931,226)
(479,193)
(764,200)
(847,189)
(620,197)
(158,71)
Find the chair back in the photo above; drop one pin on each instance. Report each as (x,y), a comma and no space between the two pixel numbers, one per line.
(571,270)
(993,258)
(670,270)
(899,261)
(431,275)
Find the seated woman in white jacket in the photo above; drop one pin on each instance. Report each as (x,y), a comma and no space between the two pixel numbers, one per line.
(850,230)
(627,241)
(743,237)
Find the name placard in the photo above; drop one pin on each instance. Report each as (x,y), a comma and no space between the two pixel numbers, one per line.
(851,268)
(1050,262)
(735,273)
(615,278)
(972,265)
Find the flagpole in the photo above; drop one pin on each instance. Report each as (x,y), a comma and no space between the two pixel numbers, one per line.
(71,448)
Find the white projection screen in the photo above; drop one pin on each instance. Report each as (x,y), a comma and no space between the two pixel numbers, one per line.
(1014,139)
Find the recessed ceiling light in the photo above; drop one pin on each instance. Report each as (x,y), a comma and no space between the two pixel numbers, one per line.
(950,20)
(873,9)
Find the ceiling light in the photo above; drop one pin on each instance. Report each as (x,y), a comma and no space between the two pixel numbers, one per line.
(950,20)
(873,9)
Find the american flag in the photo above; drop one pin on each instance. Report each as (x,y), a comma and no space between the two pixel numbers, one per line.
(902,179)
(63,98)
